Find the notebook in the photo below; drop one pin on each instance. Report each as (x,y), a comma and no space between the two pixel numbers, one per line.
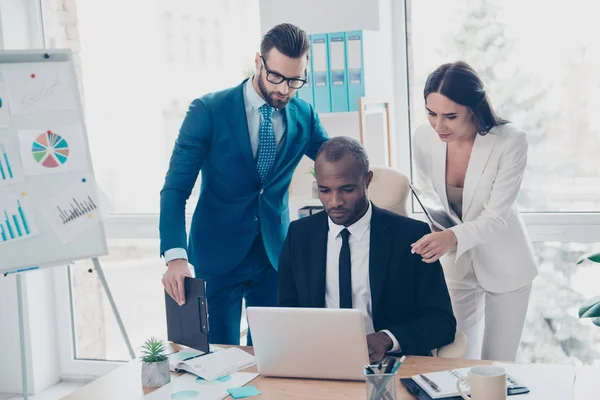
(446,381)
(212,366)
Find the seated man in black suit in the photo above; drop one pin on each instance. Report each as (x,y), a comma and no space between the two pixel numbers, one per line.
(355,255)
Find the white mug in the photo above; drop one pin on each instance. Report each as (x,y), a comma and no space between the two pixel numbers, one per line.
(487,382)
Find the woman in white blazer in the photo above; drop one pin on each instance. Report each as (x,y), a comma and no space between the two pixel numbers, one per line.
(473,162)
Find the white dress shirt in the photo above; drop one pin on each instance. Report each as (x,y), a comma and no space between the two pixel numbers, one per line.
(252,102)
(359,241)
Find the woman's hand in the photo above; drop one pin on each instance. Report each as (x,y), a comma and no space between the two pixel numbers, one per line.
(434,245)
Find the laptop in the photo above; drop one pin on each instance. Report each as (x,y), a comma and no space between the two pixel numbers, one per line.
(321,343)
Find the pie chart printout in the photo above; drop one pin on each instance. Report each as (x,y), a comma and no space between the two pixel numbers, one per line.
(50,150)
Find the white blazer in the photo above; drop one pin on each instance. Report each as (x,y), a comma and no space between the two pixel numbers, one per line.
(491,235)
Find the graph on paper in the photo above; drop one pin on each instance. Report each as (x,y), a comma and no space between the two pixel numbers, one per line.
(50,150)
(35,88)
(11,170)
(16,220)
(73,210)
(6,171)
(53,150)
(77,209)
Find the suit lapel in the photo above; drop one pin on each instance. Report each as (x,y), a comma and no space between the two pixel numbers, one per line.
(482,148)
(318,260)
(379,254)
(239,125)
(439,171)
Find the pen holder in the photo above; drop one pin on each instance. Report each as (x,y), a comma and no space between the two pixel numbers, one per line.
(381,386)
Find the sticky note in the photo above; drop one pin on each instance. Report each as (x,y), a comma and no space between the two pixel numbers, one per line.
(243,392)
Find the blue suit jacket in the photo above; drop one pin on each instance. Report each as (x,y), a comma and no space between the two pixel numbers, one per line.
(214,138)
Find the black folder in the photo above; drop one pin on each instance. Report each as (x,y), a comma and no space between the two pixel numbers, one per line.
(188,324)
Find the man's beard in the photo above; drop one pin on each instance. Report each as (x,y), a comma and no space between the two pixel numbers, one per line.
(270,97)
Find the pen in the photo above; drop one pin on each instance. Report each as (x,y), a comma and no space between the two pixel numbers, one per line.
(382,385)
(390,365)
(430,383)
(369,370)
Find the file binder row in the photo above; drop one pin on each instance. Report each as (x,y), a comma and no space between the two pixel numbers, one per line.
(336,72)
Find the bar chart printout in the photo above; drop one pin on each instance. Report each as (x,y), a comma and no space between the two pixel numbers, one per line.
(73,210)
(16,219)
(77,209)
(10,167)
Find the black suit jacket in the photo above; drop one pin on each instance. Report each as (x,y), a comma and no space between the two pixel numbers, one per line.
(409,297)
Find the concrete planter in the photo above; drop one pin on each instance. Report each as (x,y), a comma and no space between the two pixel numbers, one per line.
(155,374)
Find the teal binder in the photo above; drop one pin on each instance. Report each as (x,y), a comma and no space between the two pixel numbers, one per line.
(355,68)
(320,64)
(306,92)
(337,71)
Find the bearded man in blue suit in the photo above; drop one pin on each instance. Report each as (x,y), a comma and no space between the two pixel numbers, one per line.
(246,141)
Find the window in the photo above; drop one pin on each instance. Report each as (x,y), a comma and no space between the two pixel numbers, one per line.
(544,78)
(553,333)
(133,273)
(140,75)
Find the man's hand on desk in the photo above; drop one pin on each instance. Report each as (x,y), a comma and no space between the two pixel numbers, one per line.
(378,343)
(173,279)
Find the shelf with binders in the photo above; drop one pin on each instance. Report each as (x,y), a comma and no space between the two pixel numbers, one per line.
(344,66)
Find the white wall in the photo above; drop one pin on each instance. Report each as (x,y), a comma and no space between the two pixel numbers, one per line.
(321,16)
(21,29)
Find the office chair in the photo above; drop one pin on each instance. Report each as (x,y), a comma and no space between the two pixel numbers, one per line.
(389,190)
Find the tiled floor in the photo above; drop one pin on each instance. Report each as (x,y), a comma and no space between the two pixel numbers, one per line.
(57,391)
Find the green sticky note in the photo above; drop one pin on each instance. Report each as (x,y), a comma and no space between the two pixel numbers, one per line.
(243,392)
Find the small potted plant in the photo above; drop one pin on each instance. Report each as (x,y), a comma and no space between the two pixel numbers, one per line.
(315,188)
(591,308)
(155,364)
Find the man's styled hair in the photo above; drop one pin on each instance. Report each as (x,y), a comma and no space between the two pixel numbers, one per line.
(288,39)
(334,149)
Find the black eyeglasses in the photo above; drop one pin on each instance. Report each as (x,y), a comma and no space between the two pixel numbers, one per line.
(274,77)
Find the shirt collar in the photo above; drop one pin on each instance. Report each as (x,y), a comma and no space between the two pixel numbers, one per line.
(357,229)
(251,96)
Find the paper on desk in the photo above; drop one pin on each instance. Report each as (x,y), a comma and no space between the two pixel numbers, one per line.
(221,363)
(243,392)
(555,382)
(176,357)
(188,386)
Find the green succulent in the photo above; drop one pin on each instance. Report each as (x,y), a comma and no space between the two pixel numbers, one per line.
(591,308)
(153,351)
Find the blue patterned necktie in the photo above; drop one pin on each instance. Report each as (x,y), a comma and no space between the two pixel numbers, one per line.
(267,146)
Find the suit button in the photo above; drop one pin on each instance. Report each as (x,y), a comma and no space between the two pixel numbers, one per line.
(262,191)
(255,218)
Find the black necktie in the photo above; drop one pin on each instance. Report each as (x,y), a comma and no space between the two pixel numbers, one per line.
(345,271)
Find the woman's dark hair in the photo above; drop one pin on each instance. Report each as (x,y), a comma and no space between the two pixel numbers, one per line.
(461,84)
(288,39)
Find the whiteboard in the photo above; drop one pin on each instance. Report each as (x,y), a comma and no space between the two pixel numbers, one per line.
(49,205)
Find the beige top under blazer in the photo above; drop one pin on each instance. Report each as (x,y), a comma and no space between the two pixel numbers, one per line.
(491,235)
